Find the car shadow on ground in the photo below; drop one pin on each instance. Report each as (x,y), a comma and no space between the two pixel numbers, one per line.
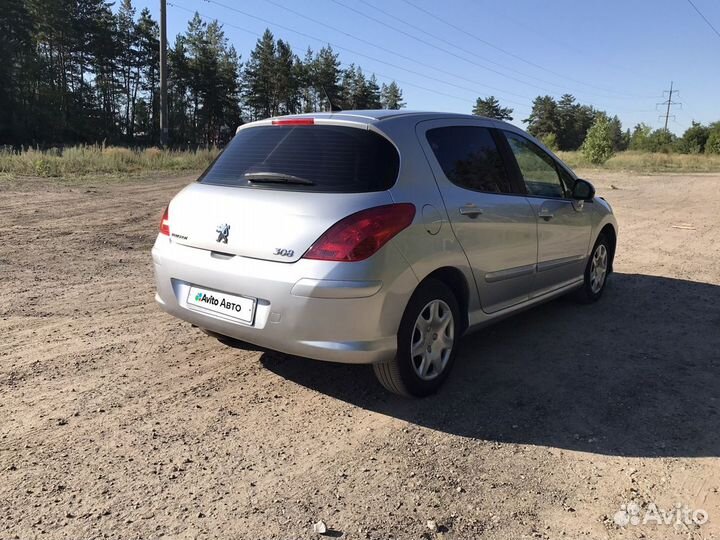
(636,374)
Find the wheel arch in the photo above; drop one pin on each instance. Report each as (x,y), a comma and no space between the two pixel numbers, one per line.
(456,281)
(609,231)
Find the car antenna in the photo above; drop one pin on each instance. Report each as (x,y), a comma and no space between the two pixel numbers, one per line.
(333,107)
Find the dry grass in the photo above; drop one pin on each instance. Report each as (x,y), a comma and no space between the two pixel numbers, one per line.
(646,162)
(98,159)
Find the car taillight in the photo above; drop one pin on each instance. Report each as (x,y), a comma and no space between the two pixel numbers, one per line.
(165,223)
(360,235)
(293,122)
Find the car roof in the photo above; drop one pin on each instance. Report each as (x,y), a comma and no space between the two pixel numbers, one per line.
(373,116)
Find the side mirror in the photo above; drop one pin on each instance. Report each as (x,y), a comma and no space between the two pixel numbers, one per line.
(583,190)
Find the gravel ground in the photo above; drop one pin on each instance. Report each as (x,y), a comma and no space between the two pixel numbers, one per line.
(117,421)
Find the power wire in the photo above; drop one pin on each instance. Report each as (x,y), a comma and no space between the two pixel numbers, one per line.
(381,75)
(513,55)
(352,51)
(446,51)
(704,18)
(473,53)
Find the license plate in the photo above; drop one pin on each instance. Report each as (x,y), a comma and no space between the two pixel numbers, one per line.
(239,308)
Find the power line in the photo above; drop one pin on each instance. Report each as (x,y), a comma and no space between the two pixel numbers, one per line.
(351,51)
(513,55)
(389,51)
(704,18)
(446,51)
(381,75)
(384,49)
(451,44)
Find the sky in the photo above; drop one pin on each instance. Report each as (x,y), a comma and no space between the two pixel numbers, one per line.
(618,56)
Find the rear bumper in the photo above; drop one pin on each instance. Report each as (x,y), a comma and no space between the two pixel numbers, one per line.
(315,309)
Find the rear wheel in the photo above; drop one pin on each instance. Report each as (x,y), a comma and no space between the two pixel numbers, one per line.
(596,271)
(427,342)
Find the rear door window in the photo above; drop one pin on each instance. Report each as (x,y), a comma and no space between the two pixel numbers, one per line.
(323,158)
(470,158)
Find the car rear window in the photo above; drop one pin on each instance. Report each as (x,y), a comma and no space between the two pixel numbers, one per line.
(306,158)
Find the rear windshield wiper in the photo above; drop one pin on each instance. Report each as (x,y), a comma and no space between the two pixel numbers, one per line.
(277,178)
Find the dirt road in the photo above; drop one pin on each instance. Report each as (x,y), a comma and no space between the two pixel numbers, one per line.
(117,421)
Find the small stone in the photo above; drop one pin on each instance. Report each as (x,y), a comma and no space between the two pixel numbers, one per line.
(432,525)
(459,489)
(320,527)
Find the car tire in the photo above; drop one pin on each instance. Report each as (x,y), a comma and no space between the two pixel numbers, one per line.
(427,344)
(596,271)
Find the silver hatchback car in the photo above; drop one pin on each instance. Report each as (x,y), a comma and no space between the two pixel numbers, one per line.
(378,237)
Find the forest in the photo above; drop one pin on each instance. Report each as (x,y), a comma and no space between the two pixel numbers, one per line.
(79,72)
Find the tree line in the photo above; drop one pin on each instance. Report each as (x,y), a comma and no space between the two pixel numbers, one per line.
(567,125)
(75,71)
(561,124)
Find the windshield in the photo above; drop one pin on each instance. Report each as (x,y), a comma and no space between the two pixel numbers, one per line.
(306,158)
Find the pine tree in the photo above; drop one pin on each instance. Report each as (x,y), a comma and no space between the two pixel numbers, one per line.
(618,140)
(543,119)
(347,87)
(287,83)
(148,35)
(179,103)
(391,96)
(16,73)
(568,132)
(306,82)
(374,98)
(259,77)
(326,76)
(490,108)
(127,62)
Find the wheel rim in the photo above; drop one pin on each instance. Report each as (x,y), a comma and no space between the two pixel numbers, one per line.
(432,340)
(598,268)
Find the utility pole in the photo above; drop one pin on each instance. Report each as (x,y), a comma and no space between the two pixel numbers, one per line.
(668,103)
(163,75)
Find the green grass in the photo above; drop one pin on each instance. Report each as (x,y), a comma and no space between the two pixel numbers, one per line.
(98,159)
(647,162)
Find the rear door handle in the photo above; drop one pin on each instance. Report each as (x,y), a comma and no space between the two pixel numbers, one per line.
(470,210)
(547,216)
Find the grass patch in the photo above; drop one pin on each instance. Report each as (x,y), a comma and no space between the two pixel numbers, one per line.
(647,162)
(114,160)
(98,159)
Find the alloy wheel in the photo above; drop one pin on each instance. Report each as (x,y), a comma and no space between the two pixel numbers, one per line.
(432,340)
(598,268)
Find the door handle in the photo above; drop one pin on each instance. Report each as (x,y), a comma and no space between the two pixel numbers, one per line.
(470,210)
(547,216)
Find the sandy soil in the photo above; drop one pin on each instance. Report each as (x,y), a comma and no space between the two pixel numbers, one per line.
(117,421)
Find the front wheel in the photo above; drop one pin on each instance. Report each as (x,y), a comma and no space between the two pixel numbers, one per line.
(427,342)
(596,271)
